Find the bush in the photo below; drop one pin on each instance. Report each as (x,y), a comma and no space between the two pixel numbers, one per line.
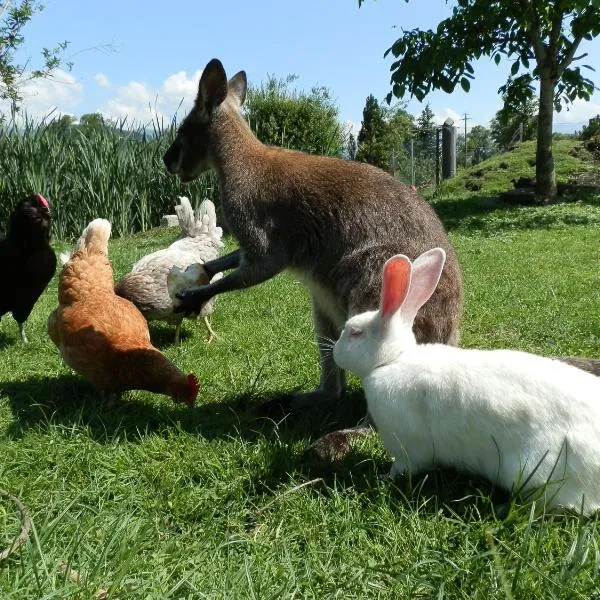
(295,119)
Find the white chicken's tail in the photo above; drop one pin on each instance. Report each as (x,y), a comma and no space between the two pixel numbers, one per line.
(203,223)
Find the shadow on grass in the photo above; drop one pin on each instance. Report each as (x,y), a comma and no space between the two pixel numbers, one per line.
(6,340)
(162,335)
(69,401)
(490,213)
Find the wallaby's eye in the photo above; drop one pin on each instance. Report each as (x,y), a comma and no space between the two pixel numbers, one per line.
(355,331)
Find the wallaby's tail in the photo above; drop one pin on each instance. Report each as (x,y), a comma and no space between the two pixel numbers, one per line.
(95,237)
(203,223)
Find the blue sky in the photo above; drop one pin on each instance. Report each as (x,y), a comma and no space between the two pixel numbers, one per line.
(129,55)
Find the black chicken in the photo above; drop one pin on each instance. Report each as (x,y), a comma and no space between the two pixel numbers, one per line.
(27,262)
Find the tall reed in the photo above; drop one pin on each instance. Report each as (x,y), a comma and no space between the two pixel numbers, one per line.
(114,172)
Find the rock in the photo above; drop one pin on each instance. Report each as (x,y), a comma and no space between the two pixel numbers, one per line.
(169,221)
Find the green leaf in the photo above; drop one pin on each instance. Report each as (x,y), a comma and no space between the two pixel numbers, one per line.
(515,67)
(446,84)
(496,58)
(465,84)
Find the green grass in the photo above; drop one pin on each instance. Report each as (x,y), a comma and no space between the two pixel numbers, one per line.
(495,174)
(151,500)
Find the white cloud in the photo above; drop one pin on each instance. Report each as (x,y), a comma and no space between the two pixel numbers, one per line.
(56,95)
(141,103)
(102,80)
(353,127)
(441,114)
(578,113)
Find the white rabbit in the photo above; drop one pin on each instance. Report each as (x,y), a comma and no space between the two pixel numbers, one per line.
(525,422)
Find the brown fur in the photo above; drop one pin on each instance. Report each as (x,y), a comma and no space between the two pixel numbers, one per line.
(332,222)
(103,337)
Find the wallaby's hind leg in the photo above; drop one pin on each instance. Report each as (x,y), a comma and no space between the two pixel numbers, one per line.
(333,379)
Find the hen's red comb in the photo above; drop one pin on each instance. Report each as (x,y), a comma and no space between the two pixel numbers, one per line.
(42,200)
(194,387)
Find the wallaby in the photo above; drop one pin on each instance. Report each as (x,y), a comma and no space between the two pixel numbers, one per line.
(331,222)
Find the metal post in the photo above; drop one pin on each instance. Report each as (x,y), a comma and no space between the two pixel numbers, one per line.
(438,133)
(448,149)
(412,162)
(466,117)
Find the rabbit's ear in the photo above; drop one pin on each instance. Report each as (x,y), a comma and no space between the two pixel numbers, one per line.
(396,283)
(426,272)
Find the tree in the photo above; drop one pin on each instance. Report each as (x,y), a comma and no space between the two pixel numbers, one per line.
(514,118)
(592,129)
(541,36)
(351,147)
(92,122)
(372,135)
(295,119)
(426,129)
(14,15)
(481,144)
(62,125)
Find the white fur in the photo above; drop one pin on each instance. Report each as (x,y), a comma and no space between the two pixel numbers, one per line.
(503,414)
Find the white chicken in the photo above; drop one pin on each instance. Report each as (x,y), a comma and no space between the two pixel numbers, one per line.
(146,284)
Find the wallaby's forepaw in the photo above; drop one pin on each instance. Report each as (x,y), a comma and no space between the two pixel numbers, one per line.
(335,445)
(191,300)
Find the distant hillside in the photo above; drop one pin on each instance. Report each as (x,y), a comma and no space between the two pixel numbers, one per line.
(495,174)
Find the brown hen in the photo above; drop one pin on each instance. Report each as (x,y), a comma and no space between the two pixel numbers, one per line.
(104,337)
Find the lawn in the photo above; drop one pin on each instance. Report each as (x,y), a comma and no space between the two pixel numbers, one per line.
(152,500)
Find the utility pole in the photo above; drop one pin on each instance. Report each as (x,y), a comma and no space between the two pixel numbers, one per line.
(412,162)
(438,135)
(465,120)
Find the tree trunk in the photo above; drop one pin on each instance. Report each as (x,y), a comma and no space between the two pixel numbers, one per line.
(545,187)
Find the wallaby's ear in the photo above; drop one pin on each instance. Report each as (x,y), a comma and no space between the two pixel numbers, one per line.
(238,85)
(212,89)
(426,272)
(396,283)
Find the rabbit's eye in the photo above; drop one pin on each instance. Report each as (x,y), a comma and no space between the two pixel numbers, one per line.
(355,331)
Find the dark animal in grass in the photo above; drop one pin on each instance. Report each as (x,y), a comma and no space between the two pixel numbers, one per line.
(27,262)
(331,222)
(524,182)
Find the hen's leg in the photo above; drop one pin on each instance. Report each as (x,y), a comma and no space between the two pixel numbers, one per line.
(211,334)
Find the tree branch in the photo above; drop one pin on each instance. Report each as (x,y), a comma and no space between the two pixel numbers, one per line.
(535,37)
(569,55)
(556,27)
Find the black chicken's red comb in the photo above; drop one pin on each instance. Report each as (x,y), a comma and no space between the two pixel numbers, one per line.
(42,200)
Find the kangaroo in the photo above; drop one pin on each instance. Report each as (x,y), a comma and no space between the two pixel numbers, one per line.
(331,222)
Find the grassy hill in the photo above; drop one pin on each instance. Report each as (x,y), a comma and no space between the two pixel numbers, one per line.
(495,174)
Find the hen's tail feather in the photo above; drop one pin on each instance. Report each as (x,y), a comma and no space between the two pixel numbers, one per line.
(95,237)
(204,222)
(185,216)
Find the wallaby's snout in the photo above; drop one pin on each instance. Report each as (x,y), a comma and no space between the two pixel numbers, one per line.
(173,157)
